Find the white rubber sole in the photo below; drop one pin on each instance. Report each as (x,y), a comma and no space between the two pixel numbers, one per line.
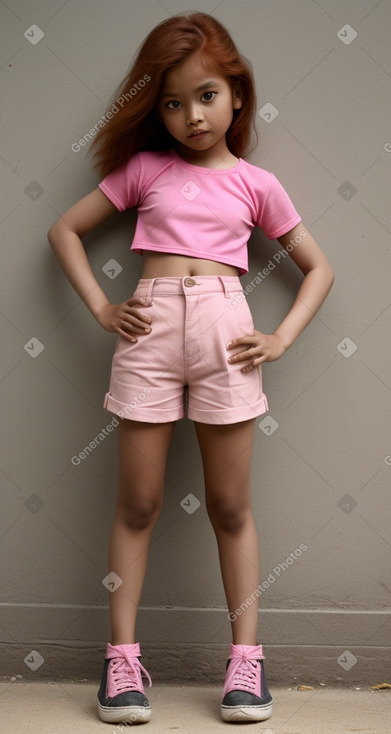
(246,713)
(124,714)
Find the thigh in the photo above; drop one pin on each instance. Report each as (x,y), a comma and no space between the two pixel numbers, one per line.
(142,450)
(226,455)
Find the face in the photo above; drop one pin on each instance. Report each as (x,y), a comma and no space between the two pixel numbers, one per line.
(196,106)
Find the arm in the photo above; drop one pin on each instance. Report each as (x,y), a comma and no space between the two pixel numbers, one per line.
(316,284)
(65,238)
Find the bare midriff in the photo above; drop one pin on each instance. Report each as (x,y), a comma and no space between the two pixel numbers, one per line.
(164,265)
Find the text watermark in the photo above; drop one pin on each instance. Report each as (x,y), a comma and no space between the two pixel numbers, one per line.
(271,578)
(125,412)
(114,109)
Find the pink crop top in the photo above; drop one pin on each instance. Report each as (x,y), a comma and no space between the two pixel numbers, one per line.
(206,213)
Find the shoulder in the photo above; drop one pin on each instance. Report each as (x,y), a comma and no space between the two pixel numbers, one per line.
(258,178)
(148,164)
(255,172)
(154,156)
(152,160)
(145,160)
(262,179)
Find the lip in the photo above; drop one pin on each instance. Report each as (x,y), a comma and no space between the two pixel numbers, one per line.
(197,133)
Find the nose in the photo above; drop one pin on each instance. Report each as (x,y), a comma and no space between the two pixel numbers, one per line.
(194,115)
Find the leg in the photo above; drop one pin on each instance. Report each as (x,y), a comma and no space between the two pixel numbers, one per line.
(143,449)
(226,455)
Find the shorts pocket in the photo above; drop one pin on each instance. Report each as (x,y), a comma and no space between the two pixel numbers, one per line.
(244,316)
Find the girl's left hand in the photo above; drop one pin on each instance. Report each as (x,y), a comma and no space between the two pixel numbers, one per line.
(258,348)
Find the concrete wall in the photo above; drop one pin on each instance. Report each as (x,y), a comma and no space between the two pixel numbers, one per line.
(321,471)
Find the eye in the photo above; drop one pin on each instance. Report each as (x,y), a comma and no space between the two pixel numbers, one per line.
(208,96)
(173,104)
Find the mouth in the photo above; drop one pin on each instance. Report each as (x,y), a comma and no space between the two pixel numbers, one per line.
(198,134)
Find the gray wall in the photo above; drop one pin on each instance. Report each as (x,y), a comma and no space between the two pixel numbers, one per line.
(321,471)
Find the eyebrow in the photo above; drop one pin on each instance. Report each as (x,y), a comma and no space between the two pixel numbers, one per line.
(205,85)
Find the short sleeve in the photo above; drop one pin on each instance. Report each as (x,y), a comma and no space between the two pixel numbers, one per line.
(278,214)
(122,186)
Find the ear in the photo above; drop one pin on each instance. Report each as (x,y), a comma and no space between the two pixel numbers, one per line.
(237,96)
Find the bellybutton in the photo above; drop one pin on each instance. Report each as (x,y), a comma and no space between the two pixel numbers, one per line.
(189,282)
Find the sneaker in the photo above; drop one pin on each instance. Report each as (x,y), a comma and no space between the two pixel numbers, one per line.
(121,695)
(246,696)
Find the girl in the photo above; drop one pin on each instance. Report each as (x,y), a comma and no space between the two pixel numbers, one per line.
(172,147)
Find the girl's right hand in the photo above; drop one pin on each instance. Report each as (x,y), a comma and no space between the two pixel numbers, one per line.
(125,319)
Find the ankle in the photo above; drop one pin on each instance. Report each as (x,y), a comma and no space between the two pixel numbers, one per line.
(118,641)
(131,650)
(247,643)
(251,651)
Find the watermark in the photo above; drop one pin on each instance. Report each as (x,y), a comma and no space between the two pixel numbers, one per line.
(33,503)
(265,272)
(34,34)
(112,581)
(347,34)
(102,435)
(112,268)
(268,425)
(347,660)
(114,109)
(190,503)
(34,660)
(347,347)
(136,400)
(33,347)
(271,578)
(121,727)
(347,503)
(347,190)
(133,718)
(76,460)
(268,112)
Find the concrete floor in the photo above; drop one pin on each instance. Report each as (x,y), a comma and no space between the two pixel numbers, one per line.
(70,708)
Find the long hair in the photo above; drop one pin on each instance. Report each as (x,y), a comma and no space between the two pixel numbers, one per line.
(131,123)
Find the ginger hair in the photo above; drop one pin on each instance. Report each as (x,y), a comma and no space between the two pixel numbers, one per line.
(135,126)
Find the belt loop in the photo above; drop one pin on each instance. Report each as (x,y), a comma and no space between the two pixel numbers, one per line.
(225,286)
(148,297)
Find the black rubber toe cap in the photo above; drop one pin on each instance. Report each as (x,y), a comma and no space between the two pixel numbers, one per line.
(243,698)
(130,698)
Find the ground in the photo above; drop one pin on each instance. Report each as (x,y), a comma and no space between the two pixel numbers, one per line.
(70,708)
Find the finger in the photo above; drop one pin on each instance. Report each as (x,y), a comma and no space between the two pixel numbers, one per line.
(126,335)
(144,319)
(254,363)
(247,339)
(137,326)
(248,367)
(133,329)
(137,300)
(243,356)
(137,321)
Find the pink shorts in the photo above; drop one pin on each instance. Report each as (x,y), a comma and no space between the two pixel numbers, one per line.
(180,368)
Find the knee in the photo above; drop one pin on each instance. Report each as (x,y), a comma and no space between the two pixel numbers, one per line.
(139,511)
(228,514)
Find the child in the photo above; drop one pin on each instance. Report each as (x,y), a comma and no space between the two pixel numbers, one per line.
(172,147)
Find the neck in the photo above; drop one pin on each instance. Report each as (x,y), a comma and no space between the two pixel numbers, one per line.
(213,158)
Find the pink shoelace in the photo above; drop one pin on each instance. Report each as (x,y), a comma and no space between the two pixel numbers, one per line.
(243,672)
(125,671)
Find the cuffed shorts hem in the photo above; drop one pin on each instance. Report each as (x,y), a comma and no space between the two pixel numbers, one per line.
(228,415)
(143,413)
(148,414)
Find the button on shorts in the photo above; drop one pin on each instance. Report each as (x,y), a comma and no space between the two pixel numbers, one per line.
(180,368)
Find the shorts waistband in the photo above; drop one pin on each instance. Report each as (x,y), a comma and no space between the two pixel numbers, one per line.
(188,285)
